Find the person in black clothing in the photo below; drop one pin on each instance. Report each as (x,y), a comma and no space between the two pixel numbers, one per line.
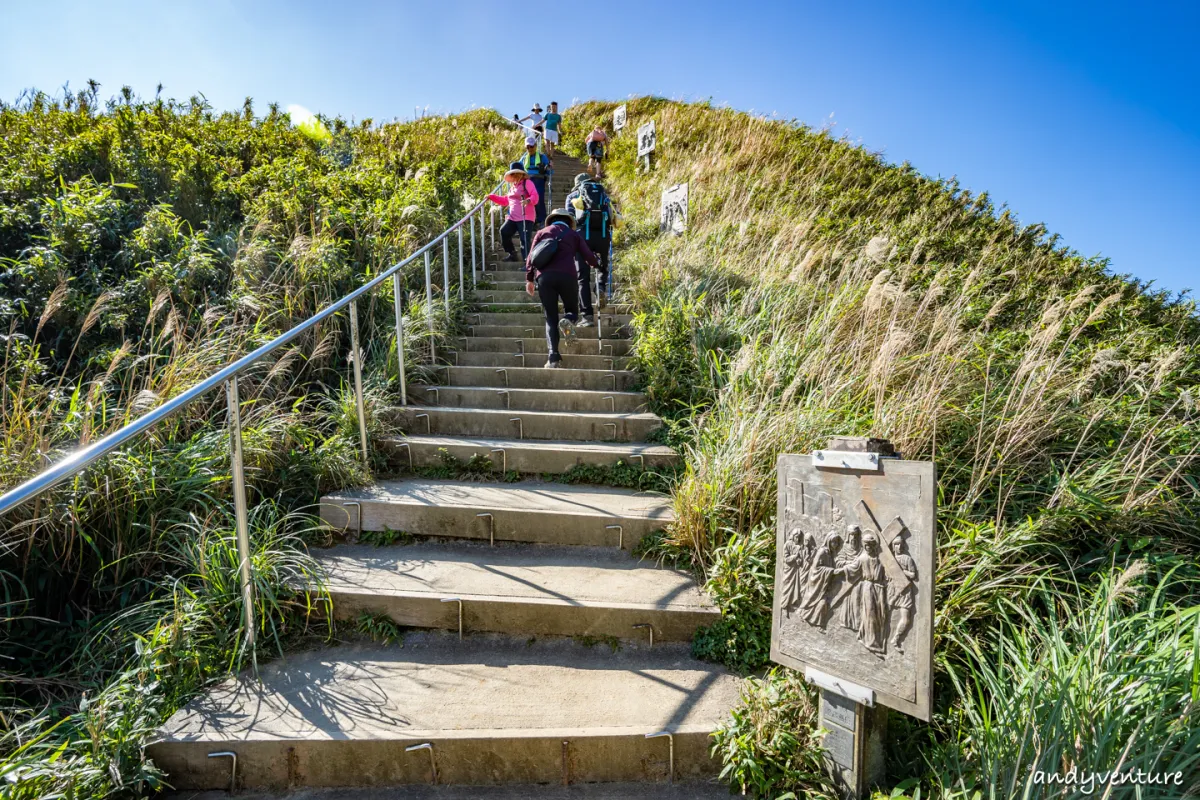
(557,280)
(594,216)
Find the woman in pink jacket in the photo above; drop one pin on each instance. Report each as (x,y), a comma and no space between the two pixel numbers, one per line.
(522,201)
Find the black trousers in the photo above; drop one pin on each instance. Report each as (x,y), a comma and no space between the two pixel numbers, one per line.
(552,287)
(600,248)
(540,208)
(523,229)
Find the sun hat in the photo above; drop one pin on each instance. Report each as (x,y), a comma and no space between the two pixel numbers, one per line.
(531,141)
(561,215)
(536,107)
(515,166)
(582,177)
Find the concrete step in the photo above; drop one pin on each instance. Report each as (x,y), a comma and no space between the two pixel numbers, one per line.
(711,789)
(537,320)
(580,346)
(521,331)
(540,378)
(494,710)
(528,399)
(528,511)
(555,425)
(534,359)
(527,455)
(521,590)
(528,306)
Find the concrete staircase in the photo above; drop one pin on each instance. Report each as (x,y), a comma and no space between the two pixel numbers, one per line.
(546,653)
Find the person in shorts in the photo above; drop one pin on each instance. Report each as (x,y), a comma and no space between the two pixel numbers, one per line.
(553,122)
(595,143)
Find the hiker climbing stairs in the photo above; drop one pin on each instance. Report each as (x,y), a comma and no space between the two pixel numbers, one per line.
(543,650)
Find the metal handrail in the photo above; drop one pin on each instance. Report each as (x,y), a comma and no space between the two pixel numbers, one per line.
(81,459)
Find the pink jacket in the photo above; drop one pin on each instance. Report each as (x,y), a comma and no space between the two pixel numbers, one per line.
(521,201)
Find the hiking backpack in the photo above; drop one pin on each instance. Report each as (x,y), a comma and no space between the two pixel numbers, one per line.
(593,222)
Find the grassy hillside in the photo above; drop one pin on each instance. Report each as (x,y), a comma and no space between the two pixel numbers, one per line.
(143,245)
(821,291)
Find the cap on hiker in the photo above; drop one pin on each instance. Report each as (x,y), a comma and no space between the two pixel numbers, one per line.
(582,177)
(561,215)
(515,168)
(531,141)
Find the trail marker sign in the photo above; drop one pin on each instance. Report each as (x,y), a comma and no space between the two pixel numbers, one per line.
(674,216)
(853,605)
(619,118)
(647,139)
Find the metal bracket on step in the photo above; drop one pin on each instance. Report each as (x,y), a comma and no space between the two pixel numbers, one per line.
(478,318)
(428,423)
(614,427)
(671,759)
(641,457)
(505,376)
(530,332)
(649,627)
(432,763)
(520,427)
(621,545)
(507,395)
(436,397)
(459,601)
(520,356)
(407,447)
(614,402)
(491,528)
(521,344)
(613,375)
(503,459)
(232,769)
(357,516)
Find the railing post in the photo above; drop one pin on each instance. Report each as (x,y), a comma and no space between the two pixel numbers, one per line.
(460,263)
(429,308)
(446,274)
(492,219)
(483,245)
(474,280)
(238,474)
(356,357)
(396,290)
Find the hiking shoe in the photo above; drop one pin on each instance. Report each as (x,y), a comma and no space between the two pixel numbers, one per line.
(552,364)
(566,328)
(510,258)
(586,322)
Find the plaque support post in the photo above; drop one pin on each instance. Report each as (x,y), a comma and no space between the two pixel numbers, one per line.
(857,730)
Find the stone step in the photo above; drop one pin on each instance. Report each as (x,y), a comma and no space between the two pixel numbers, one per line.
(527,455)
(555,425)
(528,399)
(494,710)
(540,378)
(528,306)
(580,346)
(710,789)
(537,320)
(527,511)
(535,359)
(521,331)
(525,590)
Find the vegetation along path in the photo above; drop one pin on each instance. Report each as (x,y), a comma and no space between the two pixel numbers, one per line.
(490,567)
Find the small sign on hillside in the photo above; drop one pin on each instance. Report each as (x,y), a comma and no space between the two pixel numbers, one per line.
(647,139)
(619,118)
(675,209)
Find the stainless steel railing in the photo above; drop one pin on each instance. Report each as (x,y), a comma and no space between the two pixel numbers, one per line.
(81,459)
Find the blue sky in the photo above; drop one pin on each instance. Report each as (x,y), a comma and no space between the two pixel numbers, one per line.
(1083,116)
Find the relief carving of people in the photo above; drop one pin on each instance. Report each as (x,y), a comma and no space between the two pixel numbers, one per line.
(869,596)
(820,577)
(902,599)
(794,567)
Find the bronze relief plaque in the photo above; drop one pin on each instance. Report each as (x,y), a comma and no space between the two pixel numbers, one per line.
(854,571)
